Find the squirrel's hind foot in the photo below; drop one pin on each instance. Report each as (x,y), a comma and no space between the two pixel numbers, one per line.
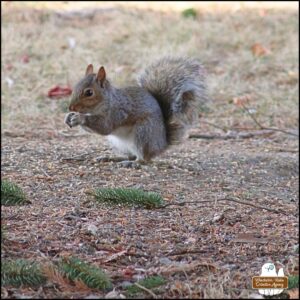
(106,158)
(130,164)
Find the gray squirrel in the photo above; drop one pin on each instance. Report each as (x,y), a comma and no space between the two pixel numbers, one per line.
(141,121)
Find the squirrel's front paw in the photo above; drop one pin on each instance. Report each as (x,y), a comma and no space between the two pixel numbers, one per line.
(74,119)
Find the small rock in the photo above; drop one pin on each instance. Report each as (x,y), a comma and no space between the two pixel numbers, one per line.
(256,296)
(92,297)
(92,229)
(165,261)
(230,266)
(9,82)
(190,240)
(114,295)
(217,218)
(296,248)
(126,284)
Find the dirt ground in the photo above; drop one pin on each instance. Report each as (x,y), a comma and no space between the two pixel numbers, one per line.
(204,250)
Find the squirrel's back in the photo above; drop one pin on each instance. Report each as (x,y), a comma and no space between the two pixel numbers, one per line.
(178,84)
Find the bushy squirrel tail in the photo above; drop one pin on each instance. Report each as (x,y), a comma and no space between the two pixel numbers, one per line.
(178,84)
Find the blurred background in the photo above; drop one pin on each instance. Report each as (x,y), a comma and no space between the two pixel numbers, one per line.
(250,50)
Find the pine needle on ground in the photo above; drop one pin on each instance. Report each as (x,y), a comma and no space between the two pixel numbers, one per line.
(21,272)
(129,197)
(12,194)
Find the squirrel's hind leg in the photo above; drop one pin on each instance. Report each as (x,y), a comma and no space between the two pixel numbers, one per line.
(125,162)
(150,139)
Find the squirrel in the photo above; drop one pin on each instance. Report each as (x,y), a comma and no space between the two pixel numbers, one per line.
(141,121)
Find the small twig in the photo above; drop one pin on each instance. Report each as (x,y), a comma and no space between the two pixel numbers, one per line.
(227,199)
(115,256)
(216,126)
(280,130)
(73,158)
(232,135)
(283,150)
(215,201)
(184,203)
(45,173)
(186,252)
(251,116)
(263,127)
(207,137)
(146,290)
(226,128)
(277,211)
(138,255)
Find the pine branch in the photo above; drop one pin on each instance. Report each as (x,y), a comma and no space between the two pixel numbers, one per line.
(233,135)
(129,197)
(21,272)
(77,270)
(12,194)
(59,277)
(293,281)
(277,211)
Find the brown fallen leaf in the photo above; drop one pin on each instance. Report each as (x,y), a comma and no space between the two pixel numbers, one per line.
(259,50)
(128,272)
(242,100)
(59,92)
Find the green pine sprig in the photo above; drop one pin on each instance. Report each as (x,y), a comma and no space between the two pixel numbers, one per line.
(293,281)
(93,277)
(149,283)
(129,197)
(21,272)
(12,194)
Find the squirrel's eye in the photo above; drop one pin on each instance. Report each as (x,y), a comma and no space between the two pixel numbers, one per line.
(88,93)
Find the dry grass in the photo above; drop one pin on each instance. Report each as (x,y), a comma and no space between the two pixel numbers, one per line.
(125,40)
(124,37)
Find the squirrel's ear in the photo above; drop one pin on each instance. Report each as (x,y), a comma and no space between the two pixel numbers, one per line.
(101,76)
(89,69)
